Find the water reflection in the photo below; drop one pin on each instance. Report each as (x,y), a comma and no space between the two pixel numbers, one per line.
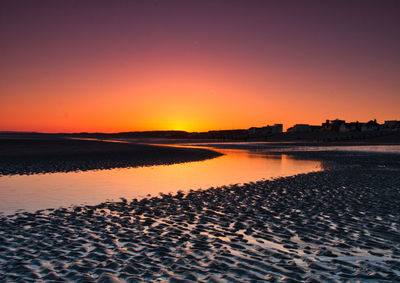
(43,191)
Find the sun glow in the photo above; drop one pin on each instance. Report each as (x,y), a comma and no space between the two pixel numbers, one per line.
(180,125)
(150,69)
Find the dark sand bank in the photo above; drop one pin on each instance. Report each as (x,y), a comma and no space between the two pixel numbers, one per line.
(350,160)
(341,224)
(43,155)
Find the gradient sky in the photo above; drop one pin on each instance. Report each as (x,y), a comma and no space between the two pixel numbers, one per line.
(110,66)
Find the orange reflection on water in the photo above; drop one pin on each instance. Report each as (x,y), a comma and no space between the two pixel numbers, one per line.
(91,187)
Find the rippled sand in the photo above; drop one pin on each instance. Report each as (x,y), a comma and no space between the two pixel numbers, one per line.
(341,224)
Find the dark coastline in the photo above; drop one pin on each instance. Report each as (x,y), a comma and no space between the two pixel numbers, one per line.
(49,155)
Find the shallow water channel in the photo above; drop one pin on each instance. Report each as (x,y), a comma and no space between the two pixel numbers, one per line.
(53,190)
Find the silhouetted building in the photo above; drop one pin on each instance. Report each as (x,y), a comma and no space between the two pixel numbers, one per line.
(370,126)
(314,128)
(264,131)
(350,127)
(391,125)
(332,126)
(277,128)
(299,128)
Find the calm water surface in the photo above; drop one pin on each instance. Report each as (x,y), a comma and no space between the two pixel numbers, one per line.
(289,146)
(54,190)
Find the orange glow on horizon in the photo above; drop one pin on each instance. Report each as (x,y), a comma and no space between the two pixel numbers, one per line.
(163,103)
(141,67)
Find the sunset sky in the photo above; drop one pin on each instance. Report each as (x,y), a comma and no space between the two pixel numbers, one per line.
(111,66)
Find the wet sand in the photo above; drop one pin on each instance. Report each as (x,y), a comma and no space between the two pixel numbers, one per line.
(49,155)
(338,225)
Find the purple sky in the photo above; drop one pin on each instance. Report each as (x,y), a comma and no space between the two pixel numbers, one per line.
(235,63)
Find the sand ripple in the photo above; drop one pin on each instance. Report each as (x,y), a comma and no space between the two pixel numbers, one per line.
(327,226)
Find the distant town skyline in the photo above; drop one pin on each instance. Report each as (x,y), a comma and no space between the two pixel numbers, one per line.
(115,66)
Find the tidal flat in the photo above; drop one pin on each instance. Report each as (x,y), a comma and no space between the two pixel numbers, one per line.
(29,155)
(341,224)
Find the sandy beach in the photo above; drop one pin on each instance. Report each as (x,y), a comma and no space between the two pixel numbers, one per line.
(341,224)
